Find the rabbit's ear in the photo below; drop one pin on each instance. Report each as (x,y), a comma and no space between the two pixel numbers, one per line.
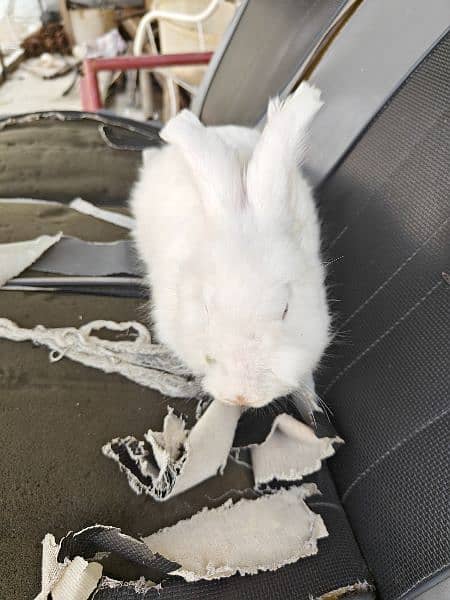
(279,152)
(214,165)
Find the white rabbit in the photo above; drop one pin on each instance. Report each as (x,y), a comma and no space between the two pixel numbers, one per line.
(227,228)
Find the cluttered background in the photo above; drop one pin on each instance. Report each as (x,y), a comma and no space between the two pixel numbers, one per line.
(43,44)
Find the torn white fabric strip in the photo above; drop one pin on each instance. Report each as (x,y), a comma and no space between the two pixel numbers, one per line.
(71,580)
(206,459)
(139,360)
(109,216)
(18,256)
(51,569)
(246,537)
(78,581)
(290,451)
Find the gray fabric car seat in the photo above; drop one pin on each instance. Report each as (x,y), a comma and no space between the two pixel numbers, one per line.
(379,157)
(385,210)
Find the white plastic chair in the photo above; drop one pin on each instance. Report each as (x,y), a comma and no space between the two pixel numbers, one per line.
(181,30)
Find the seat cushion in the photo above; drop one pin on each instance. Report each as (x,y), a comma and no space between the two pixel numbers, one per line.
(56,417)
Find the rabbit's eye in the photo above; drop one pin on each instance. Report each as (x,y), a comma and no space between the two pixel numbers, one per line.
(285,312)
(209,359)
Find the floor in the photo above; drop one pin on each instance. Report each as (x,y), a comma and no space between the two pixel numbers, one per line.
(25,92)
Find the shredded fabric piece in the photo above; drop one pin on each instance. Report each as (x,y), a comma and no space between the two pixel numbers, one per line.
(141,361)
(70,580)
(18,256)
(290,451)
(246,537)
(109,216)
(179,459)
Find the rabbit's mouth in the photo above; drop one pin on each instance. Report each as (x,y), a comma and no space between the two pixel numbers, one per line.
(244,403)
(241,401)
(238,400)
(243,390)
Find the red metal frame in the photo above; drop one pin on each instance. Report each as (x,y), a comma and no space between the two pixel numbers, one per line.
(90,94)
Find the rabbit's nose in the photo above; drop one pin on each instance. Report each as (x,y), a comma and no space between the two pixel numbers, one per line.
(241,400)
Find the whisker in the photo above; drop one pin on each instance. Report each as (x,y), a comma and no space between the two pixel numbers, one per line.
(318,400)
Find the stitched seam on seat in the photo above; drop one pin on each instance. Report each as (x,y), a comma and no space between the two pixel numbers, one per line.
(379,338)
(423,579)
(394,448)
(394,274)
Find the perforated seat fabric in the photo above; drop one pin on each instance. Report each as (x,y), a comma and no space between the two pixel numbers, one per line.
(385,211)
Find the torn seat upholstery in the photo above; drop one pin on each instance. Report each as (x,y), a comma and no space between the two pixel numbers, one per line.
(57,418)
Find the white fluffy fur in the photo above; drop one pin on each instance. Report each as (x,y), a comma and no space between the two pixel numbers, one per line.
(227,227)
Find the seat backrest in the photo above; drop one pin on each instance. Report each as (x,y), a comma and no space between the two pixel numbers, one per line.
(379,155)
(259,55)
(380,158)
(385,211)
